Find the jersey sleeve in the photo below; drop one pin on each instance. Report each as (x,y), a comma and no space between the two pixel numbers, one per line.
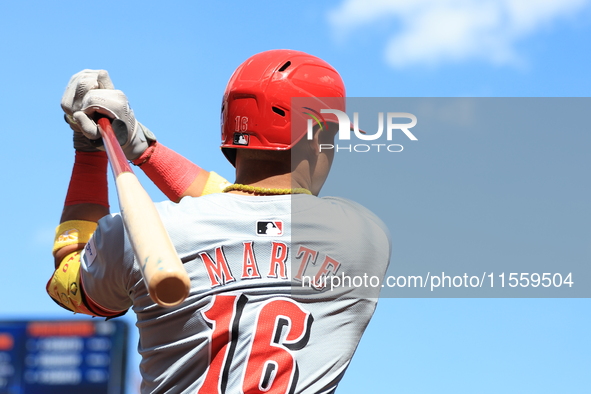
(107,268)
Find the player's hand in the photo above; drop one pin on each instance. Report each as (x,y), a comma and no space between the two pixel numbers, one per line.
(114,105)
(80,84)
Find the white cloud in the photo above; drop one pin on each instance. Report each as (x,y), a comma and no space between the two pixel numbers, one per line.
(438,31)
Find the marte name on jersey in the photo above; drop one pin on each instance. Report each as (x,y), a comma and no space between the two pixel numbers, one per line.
(306,262)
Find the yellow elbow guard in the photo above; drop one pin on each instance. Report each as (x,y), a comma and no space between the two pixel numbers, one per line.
(73,232)
(214,184)
(64,286)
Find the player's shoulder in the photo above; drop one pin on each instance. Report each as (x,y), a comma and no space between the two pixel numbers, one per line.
(350,207)
(346,204)
(342,218)
(189,204)
(226,204)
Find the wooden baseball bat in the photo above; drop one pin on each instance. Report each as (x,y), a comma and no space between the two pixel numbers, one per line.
(164,274)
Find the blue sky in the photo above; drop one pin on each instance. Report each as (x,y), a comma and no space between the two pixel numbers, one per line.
(173,61)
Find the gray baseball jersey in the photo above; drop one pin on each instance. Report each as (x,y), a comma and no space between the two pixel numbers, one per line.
(282,288)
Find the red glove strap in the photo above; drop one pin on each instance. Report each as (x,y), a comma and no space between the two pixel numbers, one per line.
(171,172)
(88,184)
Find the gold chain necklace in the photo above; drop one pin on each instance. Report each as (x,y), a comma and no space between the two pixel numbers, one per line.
(264,190)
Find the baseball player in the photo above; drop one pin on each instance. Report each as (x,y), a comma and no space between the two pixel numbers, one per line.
(263,315)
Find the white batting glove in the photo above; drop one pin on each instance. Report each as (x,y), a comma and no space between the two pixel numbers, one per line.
(114,105)
(80,84)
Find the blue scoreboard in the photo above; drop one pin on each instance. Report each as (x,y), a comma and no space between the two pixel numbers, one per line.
(62,357)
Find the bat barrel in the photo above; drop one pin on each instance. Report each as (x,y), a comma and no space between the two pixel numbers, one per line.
(163,271)
(164,274)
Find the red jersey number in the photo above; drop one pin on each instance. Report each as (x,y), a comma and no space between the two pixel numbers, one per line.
(282,327)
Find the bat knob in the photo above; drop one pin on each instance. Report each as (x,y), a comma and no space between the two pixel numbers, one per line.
(170,290)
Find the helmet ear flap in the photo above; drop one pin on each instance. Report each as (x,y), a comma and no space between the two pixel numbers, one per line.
(230,155)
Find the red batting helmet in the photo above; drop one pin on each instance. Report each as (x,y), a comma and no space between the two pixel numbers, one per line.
(256,108)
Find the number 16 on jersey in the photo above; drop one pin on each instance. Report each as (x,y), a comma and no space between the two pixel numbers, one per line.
(282,327)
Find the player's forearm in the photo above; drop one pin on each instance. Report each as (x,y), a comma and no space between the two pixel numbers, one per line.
(86,202)
(176,175)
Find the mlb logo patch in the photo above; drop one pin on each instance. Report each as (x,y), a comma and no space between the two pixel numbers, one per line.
(270,228)
(241,139)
